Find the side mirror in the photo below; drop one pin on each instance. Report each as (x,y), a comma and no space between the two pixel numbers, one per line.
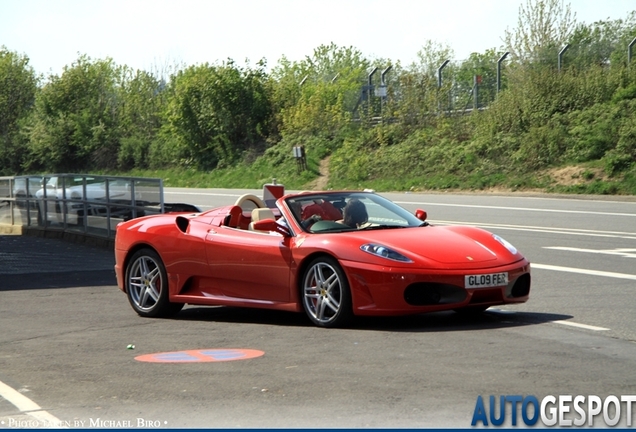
(271,225)
(421,215)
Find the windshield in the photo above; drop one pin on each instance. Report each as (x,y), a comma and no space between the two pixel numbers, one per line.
(348,211)
(71,181)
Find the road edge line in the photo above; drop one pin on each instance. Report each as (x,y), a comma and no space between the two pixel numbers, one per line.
(26,405)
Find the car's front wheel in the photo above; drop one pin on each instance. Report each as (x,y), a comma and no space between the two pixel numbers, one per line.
(325,293)
(147,285)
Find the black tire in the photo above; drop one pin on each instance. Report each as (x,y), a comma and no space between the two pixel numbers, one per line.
(147,285)
(80,218)
(325,293)
(42,221)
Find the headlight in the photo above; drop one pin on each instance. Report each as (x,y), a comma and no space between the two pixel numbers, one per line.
(384,252)
(507,245)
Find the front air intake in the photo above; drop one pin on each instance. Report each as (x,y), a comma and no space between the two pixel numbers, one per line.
(432,293)
(521,288)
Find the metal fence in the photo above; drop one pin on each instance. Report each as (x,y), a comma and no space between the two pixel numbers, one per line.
(463,86)
(78,203)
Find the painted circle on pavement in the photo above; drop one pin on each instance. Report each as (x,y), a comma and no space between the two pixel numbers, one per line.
(200,356)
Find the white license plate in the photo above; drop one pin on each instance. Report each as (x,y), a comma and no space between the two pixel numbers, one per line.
(486,280)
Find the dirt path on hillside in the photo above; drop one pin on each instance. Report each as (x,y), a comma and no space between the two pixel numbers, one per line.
(323,178)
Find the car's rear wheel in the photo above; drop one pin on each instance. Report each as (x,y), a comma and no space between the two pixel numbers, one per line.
(326,295)
(147,285)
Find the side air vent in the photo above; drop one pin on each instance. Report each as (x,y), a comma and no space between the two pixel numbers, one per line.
(183,223)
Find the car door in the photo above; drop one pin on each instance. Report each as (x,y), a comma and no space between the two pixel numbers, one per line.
(249,264)
(52,203)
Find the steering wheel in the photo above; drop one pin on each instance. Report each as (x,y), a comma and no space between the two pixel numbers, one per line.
(249,202)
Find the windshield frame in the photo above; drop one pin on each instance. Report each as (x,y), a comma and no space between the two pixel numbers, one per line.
(298,204)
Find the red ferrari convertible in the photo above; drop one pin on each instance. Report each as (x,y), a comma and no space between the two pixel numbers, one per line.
(332,254)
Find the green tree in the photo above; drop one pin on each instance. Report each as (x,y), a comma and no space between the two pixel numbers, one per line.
(430,57)
(543,28)
(330,61)
(318,94)
(415,95)
(218,112)
(143,98)
(18,87)
(485,67)
(601,43)
(75,123)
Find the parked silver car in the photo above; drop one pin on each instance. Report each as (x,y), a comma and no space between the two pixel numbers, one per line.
(26,187)
(76,196)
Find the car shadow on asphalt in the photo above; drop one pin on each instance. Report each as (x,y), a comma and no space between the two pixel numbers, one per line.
(434,321)
(228,314)
(452,321)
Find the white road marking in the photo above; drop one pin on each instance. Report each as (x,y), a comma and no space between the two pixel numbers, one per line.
(27,406)
(583,271)
(626,253)
(529,209)
(583,326)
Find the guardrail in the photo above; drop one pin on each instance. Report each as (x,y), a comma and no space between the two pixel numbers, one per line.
(78,203)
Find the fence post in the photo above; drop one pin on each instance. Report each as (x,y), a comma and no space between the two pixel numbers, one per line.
(439,84)
(370,91)
(476,82)
(563,50)
(501,59)
(629,52)
(383,88)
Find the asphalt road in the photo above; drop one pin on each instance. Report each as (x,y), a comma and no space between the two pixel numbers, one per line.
(66,328)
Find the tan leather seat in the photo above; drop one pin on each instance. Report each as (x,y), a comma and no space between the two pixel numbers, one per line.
(260,214)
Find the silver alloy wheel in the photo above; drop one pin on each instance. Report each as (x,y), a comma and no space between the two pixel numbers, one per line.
(322,292)
(144,283)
